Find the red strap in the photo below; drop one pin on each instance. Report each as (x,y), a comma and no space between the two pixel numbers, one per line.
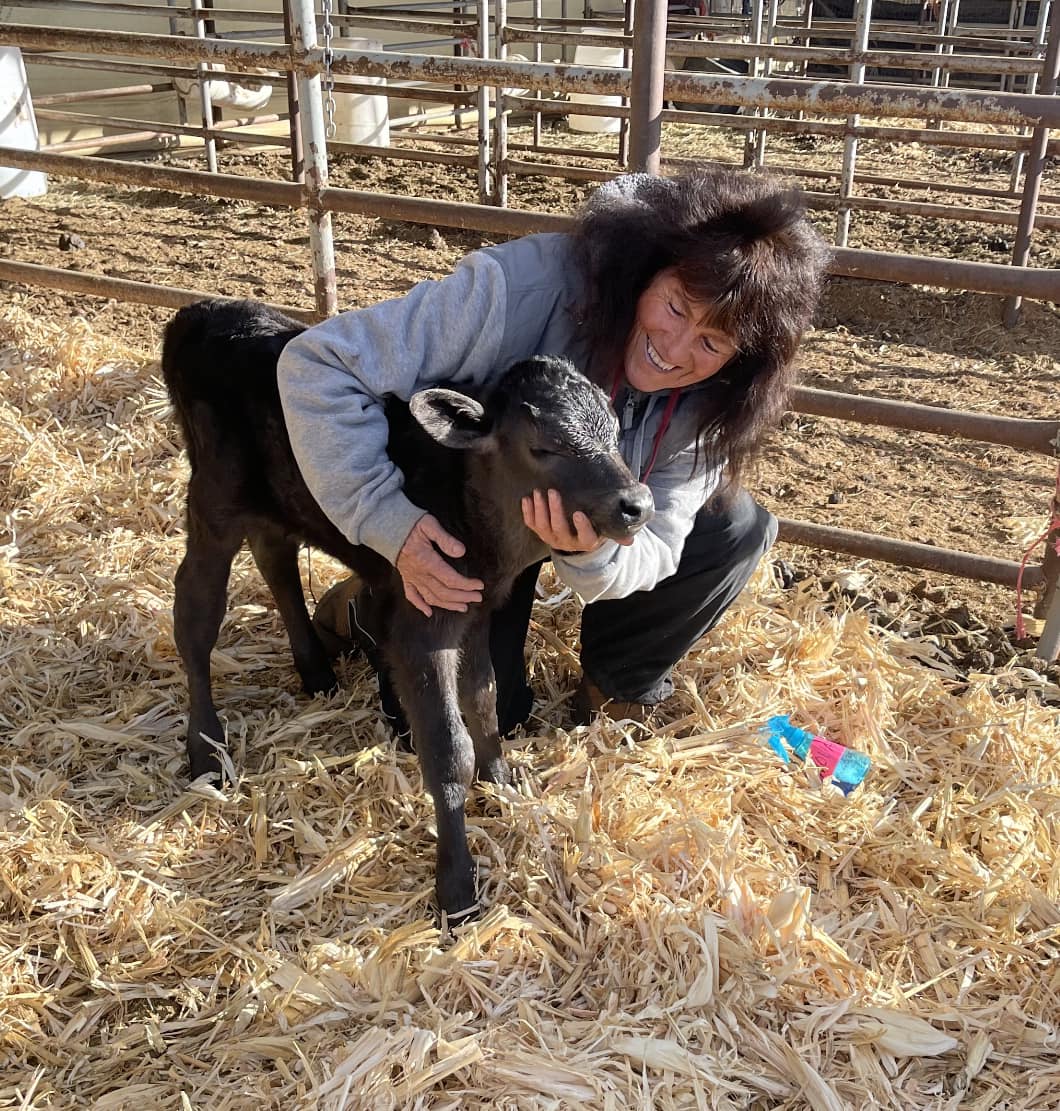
(668,412)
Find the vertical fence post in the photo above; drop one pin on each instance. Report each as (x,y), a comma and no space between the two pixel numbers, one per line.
(627,55)
(1049,600)
(942,23)
(174,29)
(770,33)
(646,85)
(1036,158)
(750,142)
(1032,87)
(500,117)
(295,122)
(807,22)
(536,55)
(314,136)
(483,104)
(205,104)
(863,9)
(941,77)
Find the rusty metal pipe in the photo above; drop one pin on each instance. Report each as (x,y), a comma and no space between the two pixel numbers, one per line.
(410,23)
(690,48)
(399,154)
(449,214)
(797,28)
(62,114)
(962,213)
(977,277)
(981,277)
(782,94)
(82,95)
(250,80)
(646,85)
(1039,436)
(121,289)
(412,92)
(906,553)
(102,142)
(138,174)
(979,140)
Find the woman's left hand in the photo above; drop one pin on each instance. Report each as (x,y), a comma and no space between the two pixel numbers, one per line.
(544,515)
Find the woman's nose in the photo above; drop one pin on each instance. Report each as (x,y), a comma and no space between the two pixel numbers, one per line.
(682,339)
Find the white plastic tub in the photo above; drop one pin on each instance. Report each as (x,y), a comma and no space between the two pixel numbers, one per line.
(596,56)
(362,117)
(18,126)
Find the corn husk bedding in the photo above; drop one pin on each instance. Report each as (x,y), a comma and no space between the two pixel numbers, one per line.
(671,918)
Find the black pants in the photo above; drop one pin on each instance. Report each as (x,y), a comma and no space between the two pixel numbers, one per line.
(629,645)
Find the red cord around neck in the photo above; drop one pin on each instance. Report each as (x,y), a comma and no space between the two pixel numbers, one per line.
(668,412)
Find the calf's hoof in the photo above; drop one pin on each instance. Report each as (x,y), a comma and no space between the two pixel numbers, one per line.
(203,760)
(455,891)
(495,771)
(203,755)
(319,680)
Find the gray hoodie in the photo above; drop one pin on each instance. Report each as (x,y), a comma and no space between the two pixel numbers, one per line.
(500,305)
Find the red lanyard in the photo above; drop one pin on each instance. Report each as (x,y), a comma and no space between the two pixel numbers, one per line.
(668,412)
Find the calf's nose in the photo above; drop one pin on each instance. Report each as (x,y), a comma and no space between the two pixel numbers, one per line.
(636,506)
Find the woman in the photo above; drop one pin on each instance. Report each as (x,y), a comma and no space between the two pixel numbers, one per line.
(686,299)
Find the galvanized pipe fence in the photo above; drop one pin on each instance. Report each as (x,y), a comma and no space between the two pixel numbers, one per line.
(302,61)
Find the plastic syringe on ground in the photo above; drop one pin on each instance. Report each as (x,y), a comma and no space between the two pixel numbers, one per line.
(843,766)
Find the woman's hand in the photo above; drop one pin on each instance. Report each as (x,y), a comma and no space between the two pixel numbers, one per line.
(544,515)
(429,580)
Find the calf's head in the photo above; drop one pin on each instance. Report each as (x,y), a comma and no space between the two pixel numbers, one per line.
(547,427)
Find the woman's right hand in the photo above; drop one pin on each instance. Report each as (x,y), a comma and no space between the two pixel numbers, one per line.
(429,580)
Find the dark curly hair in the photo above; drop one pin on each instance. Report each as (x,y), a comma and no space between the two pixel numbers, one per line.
(740,242)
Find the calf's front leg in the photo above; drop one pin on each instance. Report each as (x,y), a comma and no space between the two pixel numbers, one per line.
(427,687)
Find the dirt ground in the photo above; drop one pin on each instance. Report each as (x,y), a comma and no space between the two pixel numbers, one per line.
(933,347)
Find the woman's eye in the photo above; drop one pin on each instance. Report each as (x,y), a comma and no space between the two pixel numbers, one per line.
(674,309)
(709,346)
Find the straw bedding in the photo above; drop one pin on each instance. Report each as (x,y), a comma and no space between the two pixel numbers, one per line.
(671,918)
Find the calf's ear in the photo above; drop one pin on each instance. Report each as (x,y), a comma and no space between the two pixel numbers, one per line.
(453,419)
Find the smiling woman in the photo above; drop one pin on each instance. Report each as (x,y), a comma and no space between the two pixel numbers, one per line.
(685,299)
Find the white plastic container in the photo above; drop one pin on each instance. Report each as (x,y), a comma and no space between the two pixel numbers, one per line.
(596,56)
(362,117)
(18,126)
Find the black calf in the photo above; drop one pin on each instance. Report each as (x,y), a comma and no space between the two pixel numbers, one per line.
(466,461)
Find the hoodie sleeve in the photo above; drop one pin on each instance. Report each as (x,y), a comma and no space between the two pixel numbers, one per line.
(334,376)
(615,570)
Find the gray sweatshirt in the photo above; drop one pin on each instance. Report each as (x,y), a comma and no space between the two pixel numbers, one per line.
(500,305)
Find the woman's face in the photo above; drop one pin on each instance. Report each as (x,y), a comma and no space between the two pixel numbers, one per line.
(673,342)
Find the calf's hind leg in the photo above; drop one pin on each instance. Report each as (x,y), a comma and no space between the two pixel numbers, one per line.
(200,594)
(276,555)
(478,699)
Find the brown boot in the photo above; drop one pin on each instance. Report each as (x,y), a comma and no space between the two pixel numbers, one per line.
(335,619)
(589,701)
